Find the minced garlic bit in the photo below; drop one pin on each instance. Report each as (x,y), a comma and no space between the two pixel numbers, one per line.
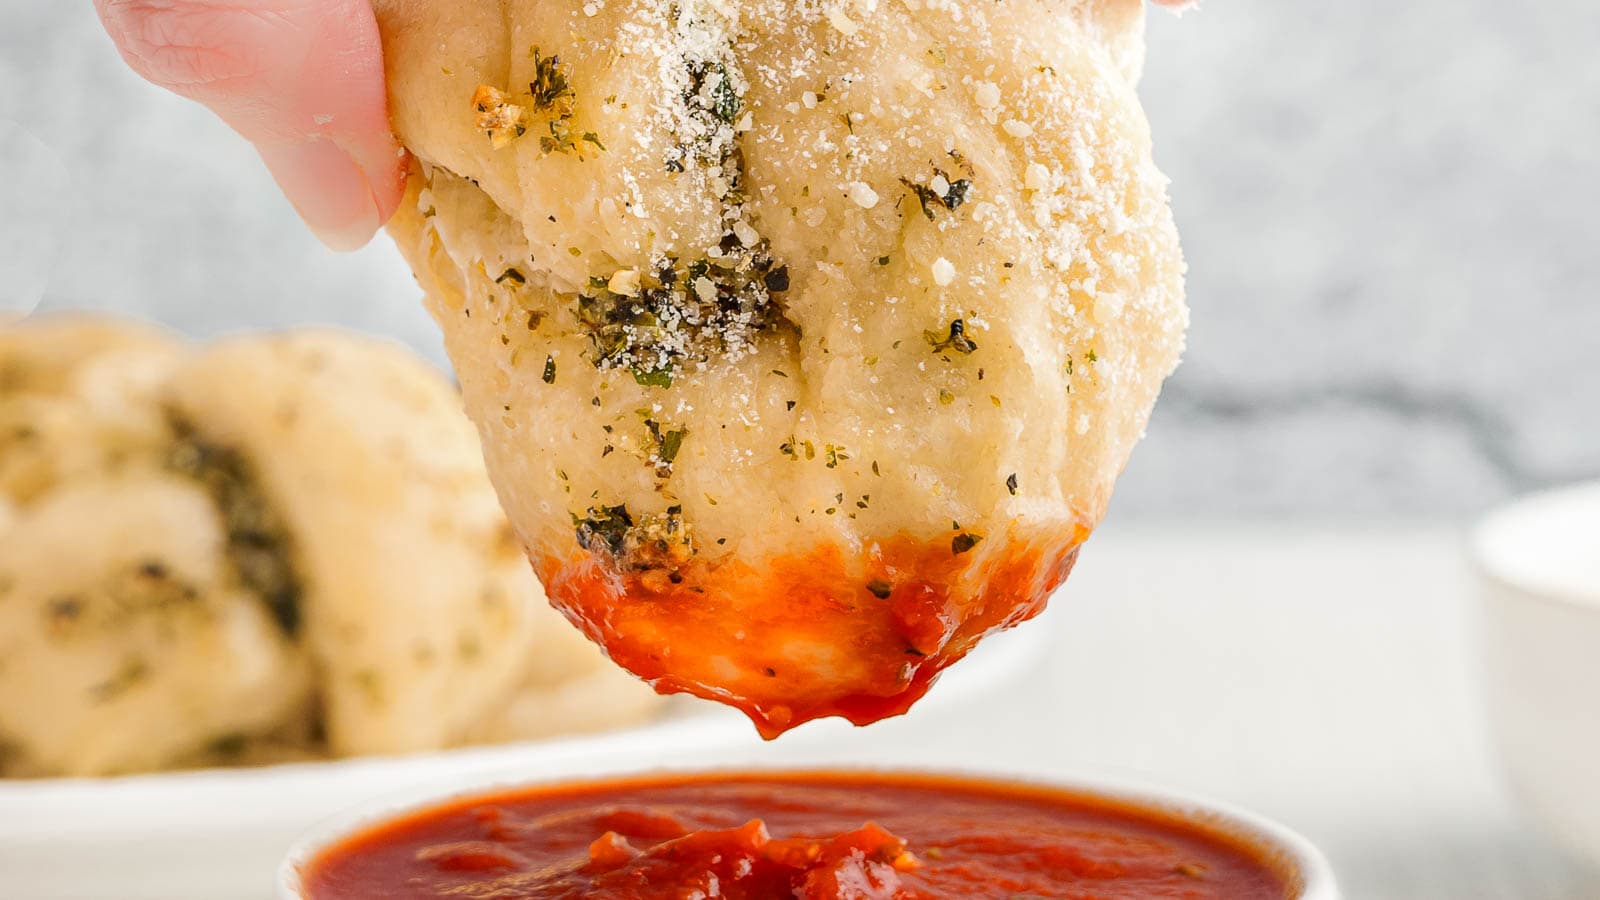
(499,118)
(944,271)
(625,282)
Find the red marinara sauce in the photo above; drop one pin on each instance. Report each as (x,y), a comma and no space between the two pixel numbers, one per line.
(814,836)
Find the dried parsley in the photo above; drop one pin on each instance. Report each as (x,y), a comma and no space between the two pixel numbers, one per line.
(661,377)
(604,528)
(133,671)
(963,542)
(880,589)
(834,454)
(550,88)
(682,312)
(668,443)
(259,545)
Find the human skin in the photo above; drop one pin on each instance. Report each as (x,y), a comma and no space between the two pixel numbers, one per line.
(301,80)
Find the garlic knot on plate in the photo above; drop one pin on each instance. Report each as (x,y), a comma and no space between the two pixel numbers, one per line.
(270,547)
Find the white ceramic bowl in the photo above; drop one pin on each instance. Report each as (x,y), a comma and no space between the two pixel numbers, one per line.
(1293,856)
(1539,562)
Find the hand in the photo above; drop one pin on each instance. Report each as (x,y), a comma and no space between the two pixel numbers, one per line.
(302,80)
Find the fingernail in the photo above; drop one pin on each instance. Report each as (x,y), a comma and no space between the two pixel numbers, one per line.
(329,191)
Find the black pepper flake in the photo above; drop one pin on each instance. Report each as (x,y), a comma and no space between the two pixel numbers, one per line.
(771,672)
(955,193)
(65,609)
(1011,484)
(549,370)
(963,542)
(880,589)
(789,404)
(956,340)
(512,276)
(777,281)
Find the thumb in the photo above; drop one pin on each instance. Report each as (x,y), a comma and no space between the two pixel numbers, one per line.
(302,80)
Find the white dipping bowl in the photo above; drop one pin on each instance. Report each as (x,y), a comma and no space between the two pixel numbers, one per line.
(1302,866)
(1539,562)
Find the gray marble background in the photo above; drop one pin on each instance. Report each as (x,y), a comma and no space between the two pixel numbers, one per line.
(1389,212)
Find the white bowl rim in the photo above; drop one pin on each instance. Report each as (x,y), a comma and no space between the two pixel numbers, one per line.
(1489,537)
(1303,857)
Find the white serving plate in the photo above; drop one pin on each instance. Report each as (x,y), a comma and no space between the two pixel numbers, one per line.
(219,834)
(1296,858)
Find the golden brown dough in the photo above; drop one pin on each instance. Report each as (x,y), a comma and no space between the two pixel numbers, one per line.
(806,339)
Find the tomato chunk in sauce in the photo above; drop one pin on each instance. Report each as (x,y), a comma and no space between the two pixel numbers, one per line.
(807,836)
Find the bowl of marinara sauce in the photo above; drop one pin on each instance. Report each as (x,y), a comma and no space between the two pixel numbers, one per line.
(810,835)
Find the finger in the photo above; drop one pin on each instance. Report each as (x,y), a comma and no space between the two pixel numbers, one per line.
(300,79)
